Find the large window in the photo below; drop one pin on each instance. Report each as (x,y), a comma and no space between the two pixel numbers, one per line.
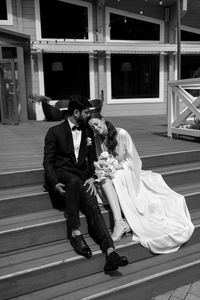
(126,28)
(66,74)
(9,52)
(5,12)
(134,76)
(62,19)
(189,36)
(190,68)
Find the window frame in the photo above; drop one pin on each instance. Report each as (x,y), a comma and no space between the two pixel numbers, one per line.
(75,2)
(9,20)
(134,16)
(91,74)
(135,100)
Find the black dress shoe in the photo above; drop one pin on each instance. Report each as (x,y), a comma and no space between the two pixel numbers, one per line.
(114,261)
(80,246)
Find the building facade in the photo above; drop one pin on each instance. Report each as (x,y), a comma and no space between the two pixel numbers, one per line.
(121,51)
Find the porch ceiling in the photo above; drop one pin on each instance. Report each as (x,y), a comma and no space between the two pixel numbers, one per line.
(10,37)
(165,2)
(190,17)
(13,35)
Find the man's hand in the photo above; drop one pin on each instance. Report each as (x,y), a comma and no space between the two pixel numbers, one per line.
(59,187)
(91,186)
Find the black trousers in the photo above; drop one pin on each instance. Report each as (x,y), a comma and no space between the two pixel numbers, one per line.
(78,199)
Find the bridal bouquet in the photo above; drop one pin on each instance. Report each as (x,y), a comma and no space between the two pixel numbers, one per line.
(105,166)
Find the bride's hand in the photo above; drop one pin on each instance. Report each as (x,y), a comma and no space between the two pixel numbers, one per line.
(91,186)
(119,167)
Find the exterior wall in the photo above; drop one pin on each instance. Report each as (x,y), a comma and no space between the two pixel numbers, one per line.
(24,20)
(29,27)
(28,17)
(142,108)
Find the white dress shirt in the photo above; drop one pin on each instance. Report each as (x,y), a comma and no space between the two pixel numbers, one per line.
(76,135)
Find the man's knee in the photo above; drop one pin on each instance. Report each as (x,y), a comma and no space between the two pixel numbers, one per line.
(75,182)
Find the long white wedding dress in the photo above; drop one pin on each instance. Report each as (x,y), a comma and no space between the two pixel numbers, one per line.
(158,216)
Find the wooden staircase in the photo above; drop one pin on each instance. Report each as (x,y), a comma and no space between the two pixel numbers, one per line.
(37,261)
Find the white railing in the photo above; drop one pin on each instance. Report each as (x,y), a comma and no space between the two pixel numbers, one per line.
(183,107)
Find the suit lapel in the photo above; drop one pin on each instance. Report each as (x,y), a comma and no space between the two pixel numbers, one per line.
(69,141)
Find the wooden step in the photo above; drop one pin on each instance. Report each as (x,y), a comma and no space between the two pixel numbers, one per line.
(142,280)
(191,193)
(180,174)
(29,198)
(21,178)
(35,176)
(78,278)
(37,228)
(21,200)
(46,226)
(158,160)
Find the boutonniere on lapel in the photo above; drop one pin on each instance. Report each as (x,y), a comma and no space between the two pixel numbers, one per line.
(88,141)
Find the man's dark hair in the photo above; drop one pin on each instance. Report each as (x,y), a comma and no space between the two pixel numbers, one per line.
(77,102)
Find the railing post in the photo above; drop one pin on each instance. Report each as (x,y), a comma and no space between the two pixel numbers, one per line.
(178,39)
(169,117)
(176,107)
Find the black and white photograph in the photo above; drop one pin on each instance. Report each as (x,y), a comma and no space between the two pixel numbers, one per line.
(99,149)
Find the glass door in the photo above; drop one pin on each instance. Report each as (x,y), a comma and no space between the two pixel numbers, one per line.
(9,92)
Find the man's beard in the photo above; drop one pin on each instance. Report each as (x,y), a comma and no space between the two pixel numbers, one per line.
(82,122)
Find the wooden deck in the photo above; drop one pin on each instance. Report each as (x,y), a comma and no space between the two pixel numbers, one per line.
(33,234)
(21,146)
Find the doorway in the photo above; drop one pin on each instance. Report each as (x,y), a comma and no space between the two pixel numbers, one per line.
(9,92)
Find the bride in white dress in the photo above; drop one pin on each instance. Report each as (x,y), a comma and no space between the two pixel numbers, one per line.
(157,215)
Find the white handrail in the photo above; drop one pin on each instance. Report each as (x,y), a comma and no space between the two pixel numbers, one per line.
(182,106)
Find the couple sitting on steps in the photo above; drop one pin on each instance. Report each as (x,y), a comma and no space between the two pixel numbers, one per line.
(157,216)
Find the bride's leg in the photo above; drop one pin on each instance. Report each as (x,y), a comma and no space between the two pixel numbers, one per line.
(112,197)
(119,224)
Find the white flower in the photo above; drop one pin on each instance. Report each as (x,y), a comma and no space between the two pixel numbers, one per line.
(88,141)
(105,166)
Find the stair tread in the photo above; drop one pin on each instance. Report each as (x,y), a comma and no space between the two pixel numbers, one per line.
(177,167)
(188,189)
(36,219)
(28,190)
(57,252)
(34,189)
(38,187)
(132,274)
(31,219)
(12,192)
(49,253)
(171,153)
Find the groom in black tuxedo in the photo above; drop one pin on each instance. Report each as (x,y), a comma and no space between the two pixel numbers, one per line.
(69,156)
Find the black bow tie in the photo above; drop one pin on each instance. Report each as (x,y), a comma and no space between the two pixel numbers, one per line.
(76,128)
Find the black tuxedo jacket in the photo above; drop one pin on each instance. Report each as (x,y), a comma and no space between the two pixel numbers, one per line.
(59,153)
